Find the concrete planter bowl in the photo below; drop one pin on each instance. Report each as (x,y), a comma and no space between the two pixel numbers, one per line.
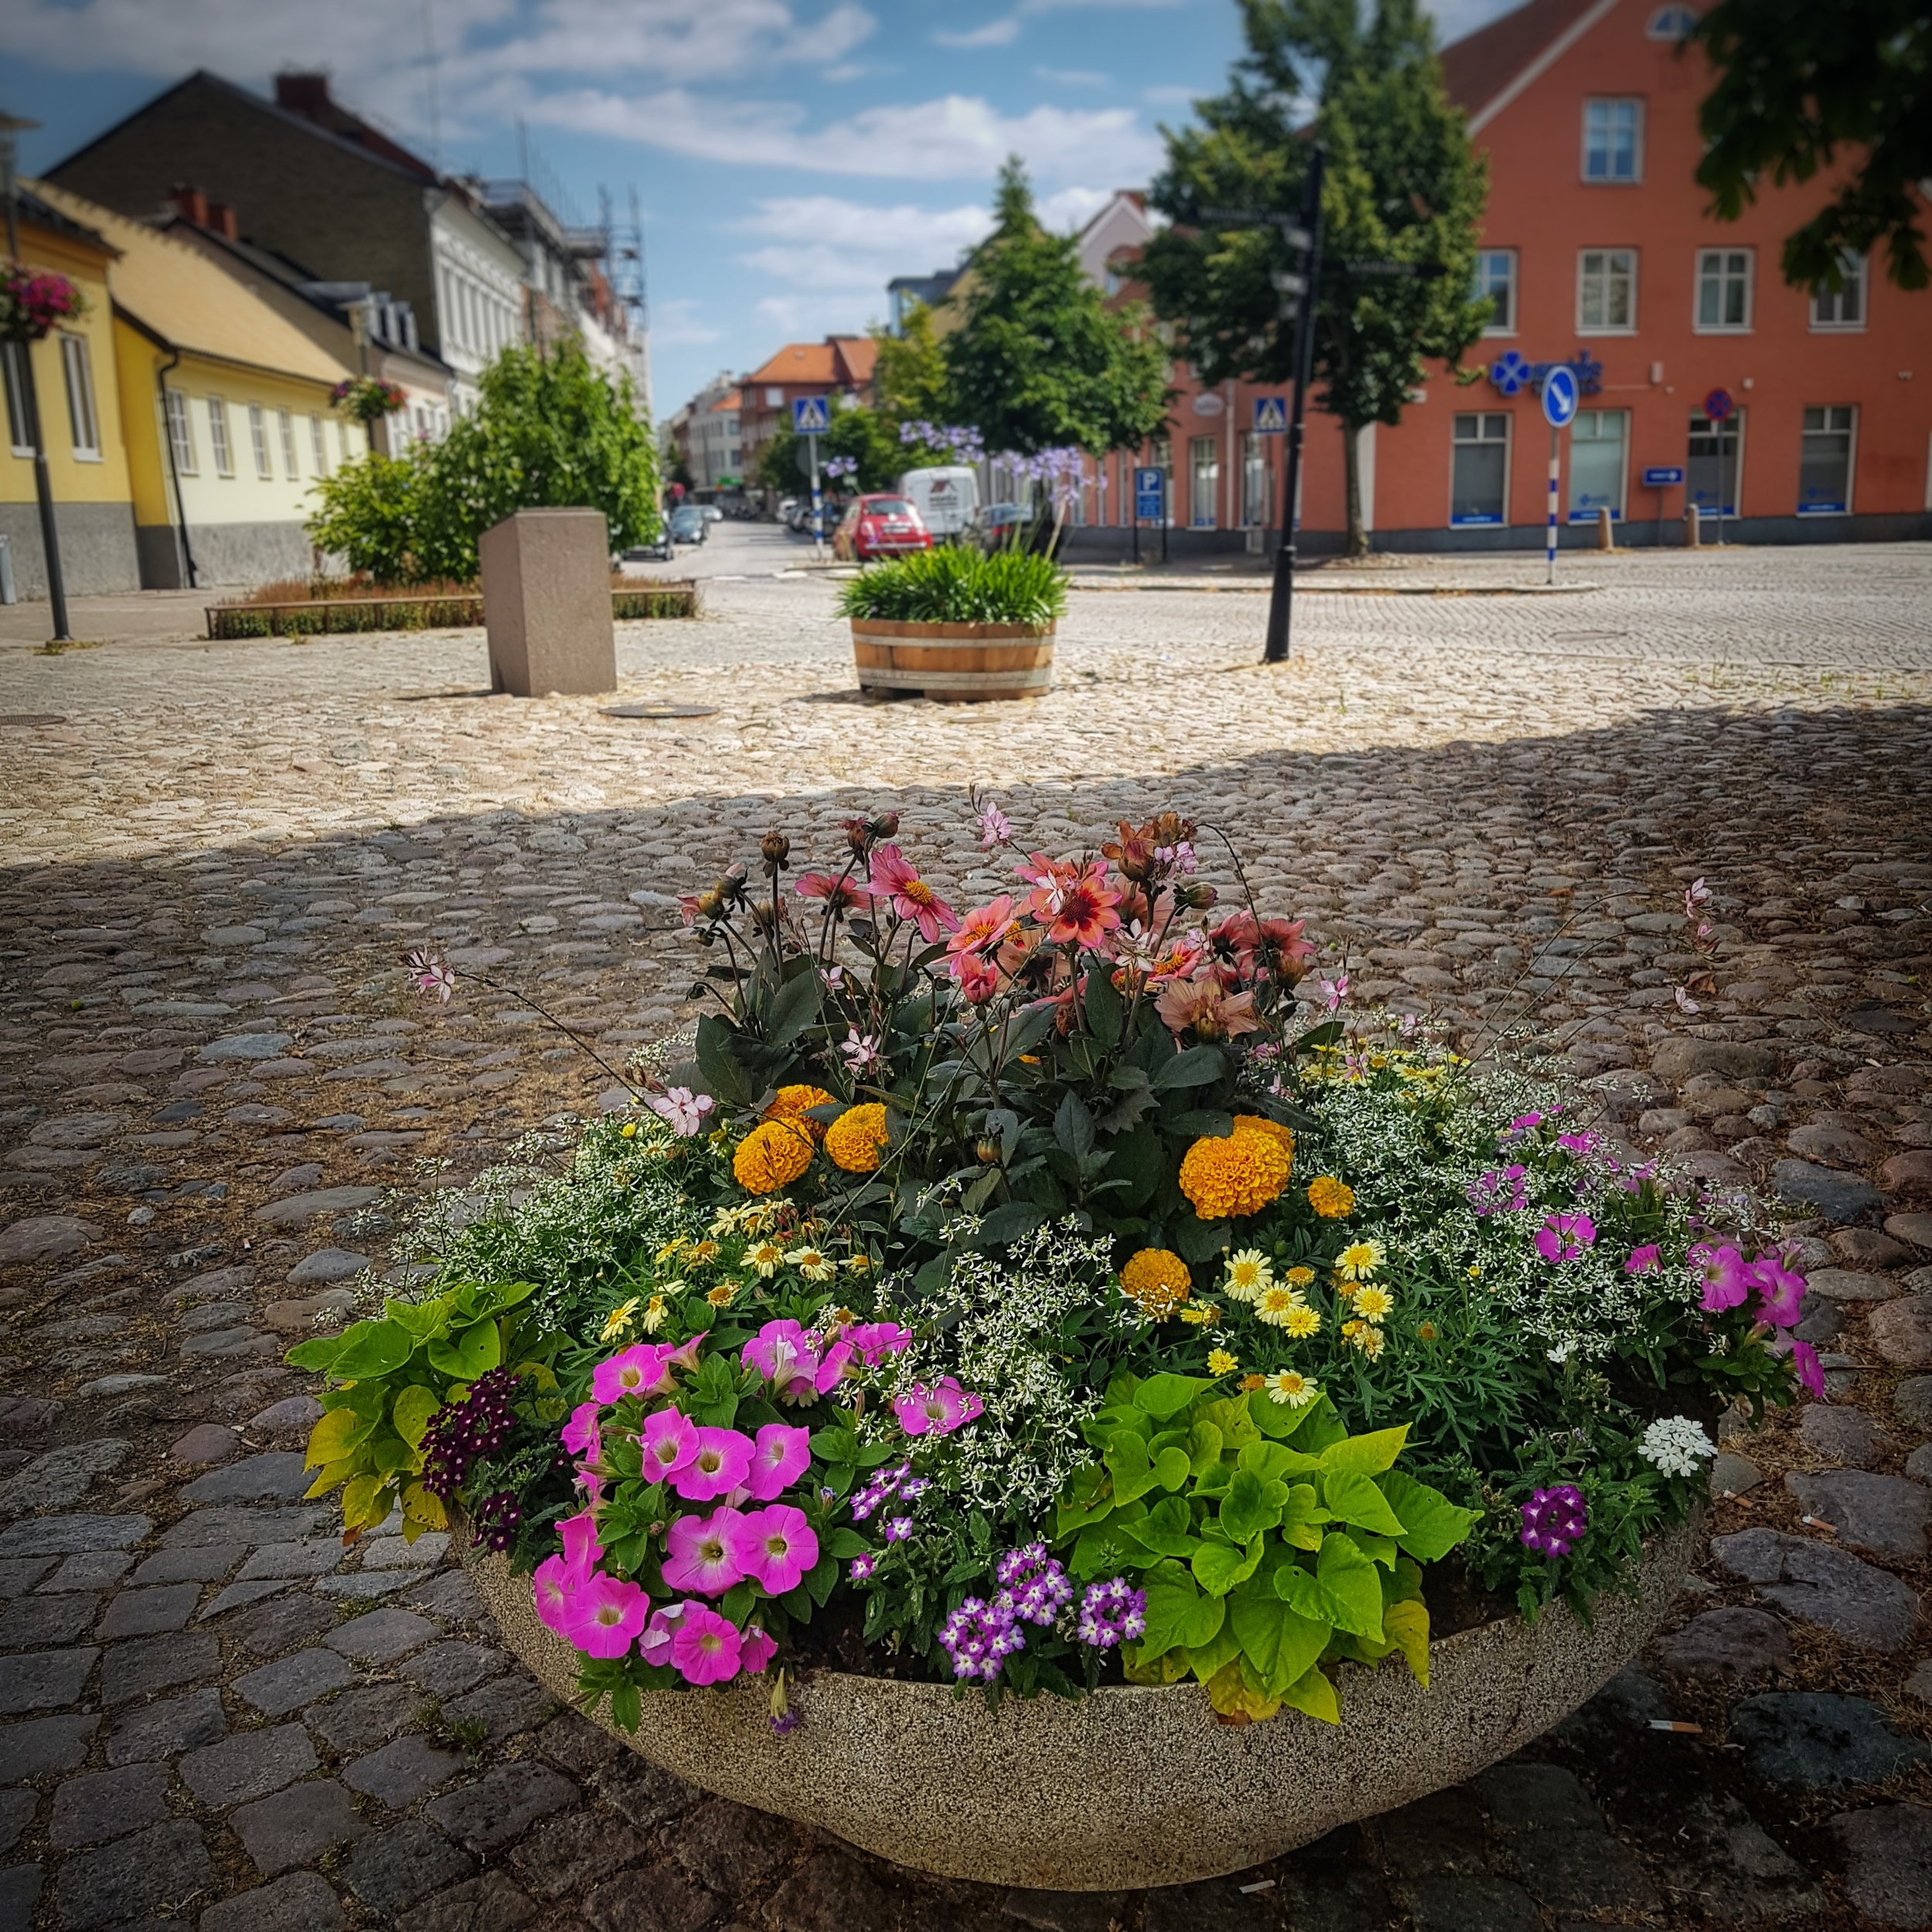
(1129,1788)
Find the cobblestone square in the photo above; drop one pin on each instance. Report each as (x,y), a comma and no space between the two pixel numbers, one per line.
(219,1101)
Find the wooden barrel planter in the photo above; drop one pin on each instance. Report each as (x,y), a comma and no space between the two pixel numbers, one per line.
(955,663)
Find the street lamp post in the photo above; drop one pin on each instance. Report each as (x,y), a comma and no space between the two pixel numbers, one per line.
(11,127)
(1281,602)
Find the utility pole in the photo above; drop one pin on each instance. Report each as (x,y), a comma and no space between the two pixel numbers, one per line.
(11,127)
(1281,602)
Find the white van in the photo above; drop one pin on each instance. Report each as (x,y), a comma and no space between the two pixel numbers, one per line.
(945,498)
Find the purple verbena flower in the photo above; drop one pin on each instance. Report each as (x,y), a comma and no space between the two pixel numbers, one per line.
(1112,1612)
(1032,1585)
(1553,1519)
(979,1637)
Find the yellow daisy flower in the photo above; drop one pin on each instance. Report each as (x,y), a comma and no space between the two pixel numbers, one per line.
(1252,1384)
(1358,1260)
(1374,1304)
(1220,1362)
(671,1250)
(723,1294)
(617,1320)
(1299,1278)
(703,1254)
(1248,1273)
(652,1319)
(767,1257)
(857,1263)
(1302,1322)
(1290,1390)
(1275,1304)
(814,1263)
(1200,1313)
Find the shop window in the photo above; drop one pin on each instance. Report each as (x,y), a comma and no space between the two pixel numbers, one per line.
(1598,441)
(1724,290)
(1710,475)
(217,437)
(82,423)
(1496,279)
(1204,482)
(1842,308)
(1825,468)
(1614,141)
(1479,477)
(1258,480)
(1606,291)
(181,433)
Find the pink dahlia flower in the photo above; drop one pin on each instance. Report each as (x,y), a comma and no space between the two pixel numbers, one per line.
(896,883)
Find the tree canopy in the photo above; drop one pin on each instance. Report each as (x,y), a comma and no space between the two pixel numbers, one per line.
(1798,83)
(1404,185)
(1040,359)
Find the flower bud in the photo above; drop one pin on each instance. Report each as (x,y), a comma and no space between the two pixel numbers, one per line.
(884,824)
(1197,897)
(987,1151)
(711,905)
(776,849)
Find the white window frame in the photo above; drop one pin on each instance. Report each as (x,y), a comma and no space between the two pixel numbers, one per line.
(16,398)
(318,445)
(1851,456)
(1494,327)
(1699,327)
(291,462)
(1508,458)
(179,420)
(258,443)
(1607,328)
(219,440)
(1635,178)
(83,419)
(1857,275)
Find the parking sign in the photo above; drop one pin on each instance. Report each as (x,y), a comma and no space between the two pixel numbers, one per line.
(810,416)
(1150,496)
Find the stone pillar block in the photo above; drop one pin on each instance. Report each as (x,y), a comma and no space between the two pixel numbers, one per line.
(546,602)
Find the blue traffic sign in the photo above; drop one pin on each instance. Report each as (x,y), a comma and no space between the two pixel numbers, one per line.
(1718,405)
(1559,396)
(1150,496)
(1664,477)
(1511,372)
(1270,415)
(810,416)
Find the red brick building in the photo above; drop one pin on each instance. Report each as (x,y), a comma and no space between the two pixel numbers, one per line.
(1598,249)
(840,367)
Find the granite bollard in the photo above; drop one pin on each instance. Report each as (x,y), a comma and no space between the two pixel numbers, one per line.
(546,602)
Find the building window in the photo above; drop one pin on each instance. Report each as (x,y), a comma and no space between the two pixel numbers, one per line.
(258,440)
(1479,474)
(217,437)
(1597,440)
(1496,279)
(289,461)
(1671,23)
(1724,290)
(1825,469)
(81,420)
(1614,141)
(1842,309)
(1710,477)
(317,447)
(1606,291)
(1258,480)
(1203,482)
(181,433)
(19,441)
(774,398)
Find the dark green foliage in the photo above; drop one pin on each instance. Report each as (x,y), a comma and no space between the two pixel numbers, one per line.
(959,587)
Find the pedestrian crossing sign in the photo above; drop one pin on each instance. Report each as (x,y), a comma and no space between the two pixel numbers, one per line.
(809,416)
(1270,415)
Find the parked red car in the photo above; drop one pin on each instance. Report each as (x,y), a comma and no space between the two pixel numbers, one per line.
(877,526)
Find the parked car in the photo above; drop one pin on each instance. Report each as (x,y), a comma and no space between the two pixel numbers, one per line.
(688,524)
(711,512)
(877,526)
(786,505)
(999,526)
(658,550)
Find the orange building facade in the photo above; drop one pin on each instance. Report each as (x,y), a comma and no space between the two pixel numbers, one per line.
(1792,416)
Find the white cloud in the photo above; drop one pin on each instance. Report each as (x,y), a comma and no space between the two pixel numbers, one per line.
(1170,96)
(995,33)
(1073,76)
(1070,210)
(674,325)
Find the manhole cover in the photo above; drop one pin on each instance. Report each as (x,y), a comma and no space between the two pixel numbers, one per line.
(660,711)
(30,718)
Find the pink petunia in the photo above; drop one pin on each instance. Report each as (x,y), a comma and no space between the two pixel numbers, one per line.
(1563,1237)
(607,1614)
(896,883)
(670,1443)
(1811,1371)
(705,1647)
(794,1361)
(642,1369)
(579,1535)
(1726,1275)
(654,1646)
(876,1340)
(555,1587)
(700,1555)
(775,1546)
(756,1648)
(1782,1289)
(1644,1260)
(937,1411)
(722,1463)
(580,1434)
(780,1456)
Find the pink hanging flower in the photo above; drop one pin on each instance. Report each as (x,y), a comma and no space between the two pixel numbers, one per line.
(431,975)
(607,1614)
(937,1411)
(775,1546)
(555,1587)
(722,1463)
(978,982)
(1207,1009)
(895,882)
(1563,1237)
(1782,1290)
(705,1647)
(1644,1260)
(1811,1371)
(1724,1273)
(794,1361)
(642,1369)
(780,1457)
(701,1553)
(876,1340)
(582,1550)
(670,1443)
(653,1647)
(580,1435)
(756,1647)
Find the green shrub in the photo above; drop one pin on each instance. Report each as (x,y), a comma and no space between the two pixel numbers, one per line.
(959,587)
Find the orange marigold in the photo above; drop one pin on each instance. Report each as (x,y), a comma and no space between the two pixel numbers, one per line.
(1233,1174)
(1156,1281)
(857,1138)
(772,1155)
(789,1103)
(1259,1124)
(1332,1199)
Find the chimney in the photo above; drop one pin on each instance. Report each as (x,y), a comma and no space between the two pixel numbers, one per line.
(189,202)
(222,219)
(306,94)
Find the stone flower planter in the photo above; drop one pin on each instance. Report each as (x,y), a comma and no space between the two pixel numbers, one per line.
(1131,1787)
(956,663)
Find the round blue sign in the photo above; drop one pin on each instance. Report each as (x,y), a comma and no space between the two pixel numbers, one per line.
(1718,405)
(1560,393)
(1510,372)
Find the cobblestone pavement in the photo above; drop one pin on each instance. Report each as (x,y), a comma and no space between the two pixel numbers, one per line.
(216,1104)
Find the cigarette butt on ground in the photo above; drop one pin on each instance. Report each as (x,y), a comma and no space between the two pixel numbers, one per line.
(1259,1884)
(1818,1523)
(1674,1724)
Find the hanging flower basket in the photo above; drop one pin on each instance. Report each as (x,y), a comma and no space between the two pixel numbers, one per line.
(32,304)
(364,398)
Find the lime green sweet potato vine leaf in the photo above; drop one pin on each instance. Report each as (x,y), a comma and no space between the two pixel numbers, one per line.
(1271,1544)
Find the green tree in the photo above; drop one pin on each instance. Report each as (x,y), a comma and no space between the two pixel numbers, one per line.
(865,435)
(1040,359)
(549,429)
(1796,84)
(1402,184)
(909,377)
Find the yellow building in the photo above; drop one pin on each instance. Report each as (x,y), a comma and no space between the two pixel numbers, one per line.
(74,378)
(223,410)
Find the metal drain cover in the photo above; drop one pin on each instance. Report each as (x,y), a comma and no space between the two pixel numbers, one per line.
(660,711)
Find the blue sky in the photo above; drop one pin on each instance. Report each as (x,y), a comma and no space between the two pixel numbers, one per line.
(790,155)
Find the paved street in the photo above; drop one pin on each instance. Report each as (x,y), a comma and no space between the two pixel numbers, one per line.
(218,1102)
